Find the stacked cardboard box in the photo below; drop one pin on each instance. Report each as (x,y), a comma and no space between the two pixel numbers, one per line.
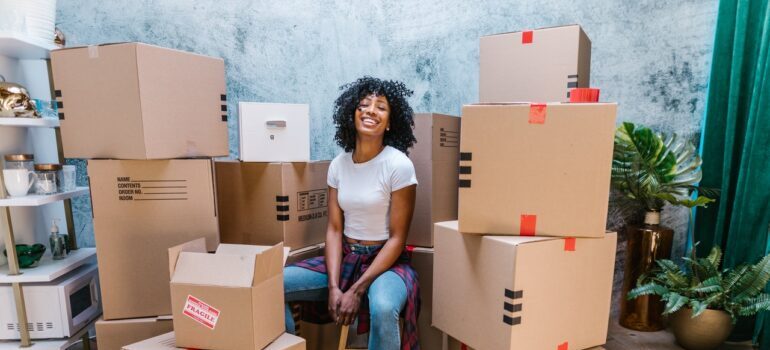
(149,119)
(529,256)
(167,342)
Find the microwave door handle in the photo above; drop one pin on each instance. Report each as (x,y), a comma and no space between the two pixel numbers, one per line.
(274,124)
(94,292)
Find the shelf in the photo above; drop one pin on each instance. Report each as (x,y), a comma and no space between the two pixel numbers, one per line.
(30,122)
(55,344)
(24,47)
(35,200)
(49,269)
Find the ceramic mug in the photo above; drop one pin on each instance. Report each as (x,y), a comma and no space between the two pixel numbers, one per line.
(18,181)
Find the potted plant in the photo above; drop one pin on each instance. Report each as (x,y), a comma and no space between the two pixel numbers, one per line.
(651,170)
(704,301)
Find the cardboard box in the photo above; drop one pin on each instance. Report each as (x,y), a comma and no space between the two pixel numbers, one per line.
(454,344)
(167,342)
(139,101)
(422,262)
(232,299)
(267,203)
(306,253)
(114,335)
(507,292)
(141,208)
(274,132)
(435,157)
(531,169)
(540,65)
(322,336)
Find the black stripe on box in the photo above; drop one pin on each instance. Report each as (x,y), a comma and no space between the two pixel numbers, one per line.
(57,93)
(223,97)
(282,207)
(466,156)
(512,307)
(465,170)
(281,198)
(224,108)
(514,294)
(283,217)
(465,183)
(61,116)
(572,76)
(59,104)
(572,84)
(224,117)
(512,320)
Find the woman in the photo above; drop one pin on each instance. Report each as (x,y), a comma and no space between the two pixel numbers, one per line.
(365,272)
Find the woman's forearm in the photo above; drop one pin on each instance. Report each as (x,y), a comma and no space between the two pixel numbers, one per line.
(386,257)
(333,251)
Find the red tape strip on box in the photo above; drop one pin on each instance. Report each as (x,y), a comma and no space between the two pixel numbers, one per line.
(537,113)
(563,346)
(526,37)
(569,244)
(528,225)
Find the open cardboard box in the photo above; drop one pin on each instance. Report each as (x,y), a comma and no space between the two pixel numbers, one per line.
(232,299)
(167,342)
(113,335)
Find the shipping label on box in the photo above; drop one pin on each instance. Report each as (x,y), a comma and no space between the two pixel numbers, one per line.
(139,101)
(267,203)
(435,157)
(141,208)
(536,169)
(522,292)
(534,65)
(274,132)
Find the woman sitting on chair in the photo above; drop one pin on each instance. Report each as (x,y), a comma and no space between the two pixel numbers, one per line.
(365,272)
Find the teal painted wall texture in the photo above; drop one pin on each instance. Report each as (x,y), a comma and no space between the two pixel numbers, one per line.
(652,57)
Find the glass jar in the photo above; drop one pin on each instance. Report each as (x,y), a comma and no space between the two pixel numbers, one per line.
(47,178)
(20,161)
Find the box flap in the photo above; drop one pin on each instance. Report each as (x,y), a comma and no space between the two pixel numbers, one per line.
(544,28)
(269,263)
(97,45)
(245,249)
(197,245)
(224,270)
(161,342)
(287,342)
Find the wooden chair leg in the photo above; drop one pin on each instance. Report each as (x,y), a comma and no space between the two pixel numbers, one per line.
(343,337)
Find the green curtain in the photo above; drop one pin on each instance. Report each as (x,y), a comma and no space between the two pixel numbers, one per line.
(736,140)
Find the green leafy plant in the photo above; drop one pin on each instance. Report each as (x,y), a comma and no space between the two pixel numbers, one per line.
(654,169)
(700,285)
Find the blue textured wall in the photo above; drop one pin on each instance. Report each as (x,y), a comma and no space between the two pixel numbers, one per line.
(652,57)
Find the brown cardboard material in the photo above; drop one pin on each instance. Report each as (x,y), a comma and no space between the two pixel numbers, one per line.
(267,203)
(167,342)
(556,60)
(422,261)
(114,335)
(305,253)
(232,299)
(435,157)
(141,208)
(507,292)
(139,101)
(522,177)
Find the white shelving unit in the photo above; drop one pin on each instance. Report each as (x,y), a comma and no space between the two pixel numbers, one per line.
(21,47)
(36,200)
(30,122)
(24,60)
(49,269)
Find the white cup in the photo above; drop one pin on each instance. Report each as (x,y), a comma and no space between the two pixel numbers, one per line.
(18,181)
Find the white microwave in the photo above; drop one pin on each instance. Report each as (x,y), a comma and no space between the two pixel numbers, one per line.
(56,309)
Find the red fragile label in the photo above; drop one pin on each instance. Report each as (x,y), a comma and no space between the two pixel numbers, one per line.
(528,225)
(201,312)
(563,346)
(537,113)
(526,37)
(569,244)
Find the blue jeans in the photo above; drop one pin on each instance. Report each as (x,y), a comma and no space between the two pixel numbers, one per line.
(387,296)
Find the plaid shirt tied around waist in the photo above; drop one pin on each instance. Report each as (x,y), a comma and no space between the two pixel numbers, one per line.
(354,263)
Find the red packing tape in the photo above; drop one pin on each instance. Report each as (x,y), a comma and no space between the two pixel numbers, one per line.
(563,346)
(410,248)
(569,244)
(527,225)
(584,95)
(537,113)
(526,37)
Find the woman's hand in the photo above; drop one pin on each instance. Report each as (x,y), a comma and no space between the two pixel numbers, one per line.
(335,296)
(348,308)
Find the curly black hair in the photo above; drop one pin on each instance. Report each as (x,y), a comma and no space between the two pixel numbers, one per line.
(400,135)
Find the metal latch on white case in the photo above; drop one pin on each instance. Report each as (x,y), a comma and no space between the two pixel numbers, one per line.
(275,123)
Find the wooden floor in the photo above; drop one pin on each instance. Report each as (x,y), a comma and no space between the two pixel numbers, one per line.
(624,339)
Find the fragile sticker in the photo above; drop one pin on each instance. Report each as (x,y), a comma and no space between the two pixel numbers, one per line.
(201,312)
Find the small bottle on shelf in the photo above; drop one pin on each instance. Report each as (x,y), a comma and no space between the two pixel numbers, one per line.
(58,242)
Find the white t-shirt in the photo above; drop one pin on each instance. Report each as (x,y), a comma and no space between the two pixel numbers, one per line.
(364,189)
